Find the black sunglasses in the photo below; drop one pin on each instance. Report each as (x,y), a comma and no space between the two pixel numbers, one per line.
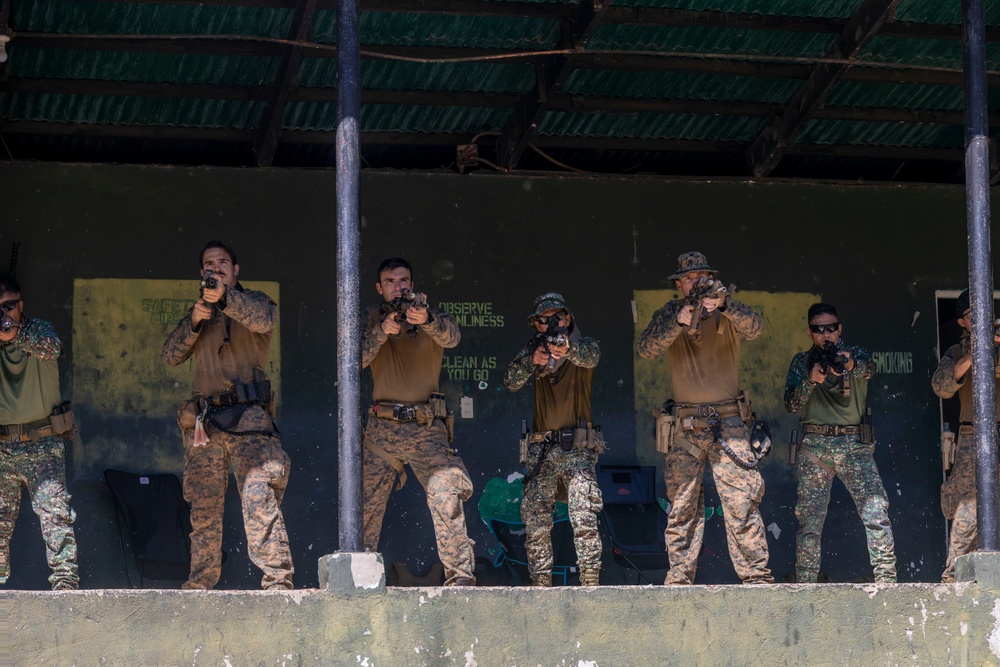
(824,328)
(10,305)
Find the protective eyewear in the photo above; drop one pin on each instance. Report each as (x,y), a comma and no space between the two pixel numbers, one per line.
(824,328)
(10,305)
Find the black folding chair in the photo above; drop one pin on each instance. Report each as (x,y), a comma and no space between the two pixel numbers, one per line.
(155,520)
(633,518)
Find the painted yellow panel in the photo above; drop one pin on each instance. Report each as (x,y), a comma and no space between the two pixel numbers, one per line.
(119,327)
(763,366)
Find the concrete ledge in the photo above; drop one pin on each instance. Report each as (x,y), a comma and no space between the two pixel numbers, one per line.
(608,626)
(982,567)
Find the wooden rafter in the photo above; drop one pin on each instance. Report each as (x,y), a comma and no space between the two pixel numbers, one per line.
(300,30)
(549,78)
(766,152)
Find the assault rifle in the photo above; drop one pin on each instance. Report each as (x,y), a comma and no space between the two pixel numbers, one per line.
(705,287)
(209,280)
(403,303)
(827,358)
(554,334)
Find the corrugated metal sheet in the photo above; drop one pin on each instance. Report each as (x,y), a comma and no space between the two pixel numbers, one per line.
(652,126)
(483,32)
(42,63)
(925,52)
(702,39)
(398,75)
(397,118)
(880,134)
(936,11)
(680,86)
(821,8)
(113,110)
(77,17)
(906,96)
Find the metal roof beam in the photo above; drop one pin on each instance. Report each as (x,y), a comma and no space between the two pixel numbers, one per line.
(267,134)
(549,78)
(766,152)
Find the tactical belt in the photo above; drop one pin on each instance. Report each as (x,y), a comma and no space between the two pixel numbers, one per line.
(229,399)
(402,412)
(825,429)
(32,431)
(697,417)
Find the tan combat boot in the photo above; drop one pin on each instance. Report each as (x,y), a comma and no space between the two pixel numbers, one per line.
(543,580)
(590,576)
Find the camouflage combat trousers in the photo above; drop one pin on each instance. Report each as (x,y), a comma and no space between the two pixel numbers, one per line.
(576,469)
(261,468)
(740,491)
(958,500)
(854,464)
(40,467)
(444,478)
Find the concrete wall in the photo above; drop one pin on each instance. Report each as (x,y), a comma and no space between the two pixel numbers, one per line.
(838,625)
(877,252)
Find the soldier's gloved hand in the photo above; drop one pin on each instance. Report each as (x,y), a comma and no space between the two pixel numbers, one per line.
(391,325)
(685,314)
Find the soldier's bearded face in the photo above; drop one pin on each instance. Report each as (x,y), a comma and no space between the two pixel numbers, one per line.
(221,264)
(392,283)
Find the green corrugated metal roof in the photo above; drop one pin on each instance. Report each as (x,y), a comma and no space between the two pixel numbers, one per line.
(635,60)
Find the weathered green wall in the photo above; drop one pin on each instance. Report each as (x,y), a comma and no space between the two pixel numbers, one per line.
(877,252)
(704,626)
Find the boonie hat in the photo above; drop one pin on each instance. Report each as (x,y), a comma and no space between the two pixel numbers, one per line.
(545,302)
(691,261)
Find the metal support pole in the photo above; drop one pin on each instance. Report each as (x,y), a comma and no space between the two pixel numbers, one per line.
(348,274)
(977,179)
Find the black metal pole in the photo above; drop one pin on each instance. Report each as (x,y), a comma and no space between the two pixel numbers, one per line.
(977,187)
(349,274)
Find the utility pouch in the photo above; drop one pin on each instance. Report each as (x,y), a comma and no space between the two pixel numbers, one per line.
(589,438)
(187,415)
(62,419)
(866,436)
(666,427)
(743,404)
(524,442)
(948,447)
(438,406)
(567,437)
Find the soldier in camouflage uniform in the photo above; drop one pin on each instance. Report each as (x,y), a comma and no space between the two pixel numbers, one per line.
(408,423)
(32,444)
(229,421)
(958,493)
(831,405)
(703,346)
(563,372)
